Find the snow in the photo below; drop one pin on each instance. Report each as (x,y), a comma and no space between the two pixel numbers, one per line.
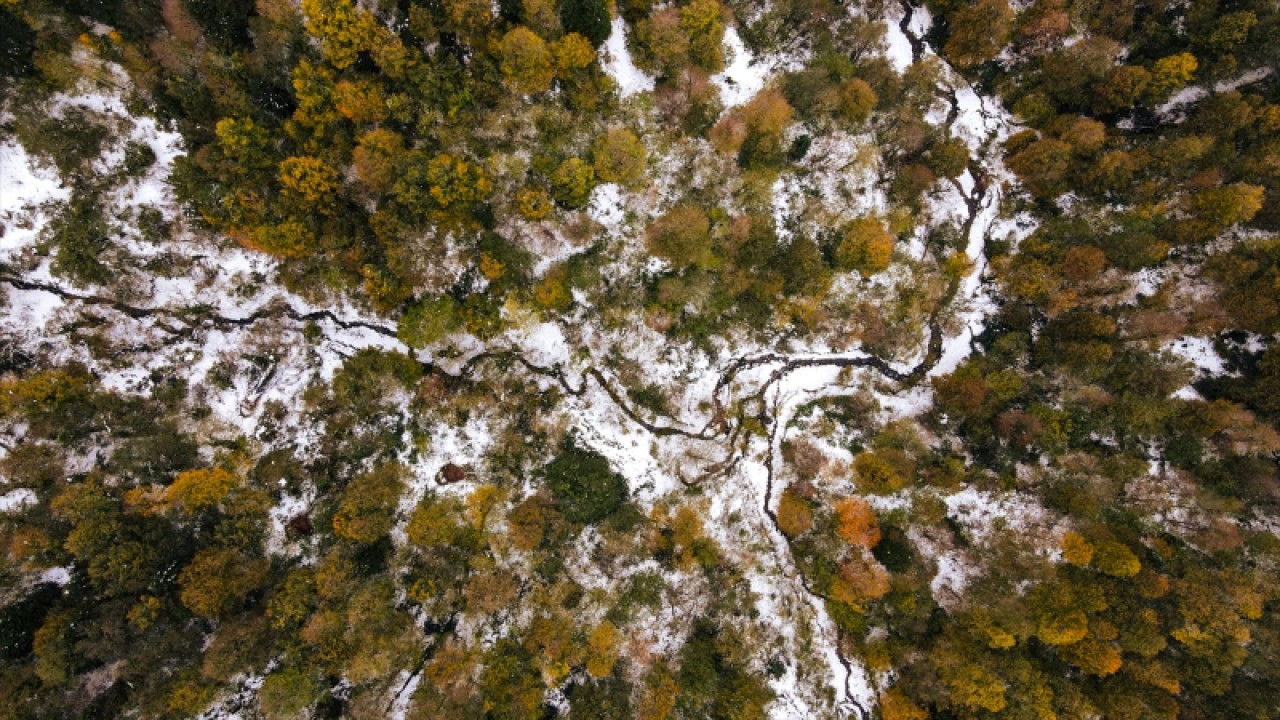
(15,500)
(56,575)
(24,188)
(921,21)
(618,64)
(1199,351)
(1194,93)
(544,344)
(898,49)
(743,77)
(606,206)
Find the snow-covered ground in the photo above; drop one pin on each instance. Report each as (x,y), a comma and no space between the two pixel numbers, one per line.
(618,64)
(743,76)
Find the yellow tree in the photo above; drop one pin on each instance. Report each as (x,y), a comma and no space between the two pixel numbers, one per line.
(368,507)
(795,517)
(618,156)
(196,490)
(703,23)
(572,52)
(857,522)
(309,182)
(344,30)
(360,101)
(456,183)
(528,66)
(375,158)
(865,246)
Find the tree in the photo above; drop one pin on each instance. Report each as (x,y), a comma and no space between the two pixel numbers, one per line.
(856,101)
(1076,550)
(1170,74)
(604,644)
(663,46)
(795,517)
(361,101)
(1043,167)
(979,31)
(857,523)
(376,158)
(1083,262)
(683,236)
(218,581)
(285,693)
(588,18)
(456,183)
(527,63)
(865,246)
(368,507)
(533,203)
(949,158)
(468,18)
(1123,88)
(860,579)
(619,157)
(197,490)
(879,472)
(974,687)
(429,319)
(1115,559)
(1228,205)
(344,29)
(310,183)
(754,131)
(572,52)
(703,23)
(572,183)
(584,485)
(894,705)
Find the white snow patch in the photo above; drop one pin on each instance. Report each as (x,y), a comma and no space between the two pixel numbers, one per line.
(606,206)
(1199,351)
(921,21)
(544,344)
(15,500)
(24,188)
(898,50)
(744,76)
(618,64)
(56,575)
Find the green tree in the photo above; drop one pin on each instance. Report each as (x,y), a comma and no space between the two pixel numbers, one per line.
(287,692)
(588,18)
(584,485)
